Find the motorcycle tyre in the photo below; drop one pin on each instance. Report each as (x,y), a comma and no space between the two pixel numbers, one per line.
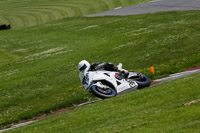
(102,95)
(142,84)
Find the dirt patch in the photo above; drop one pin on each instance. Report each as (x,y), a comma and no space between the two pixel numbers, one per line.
(54,113)
(191,102)
(26,122)
(49,52)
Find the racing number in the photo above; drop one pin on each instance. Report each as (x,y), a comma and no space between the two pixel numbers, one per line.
(131,83)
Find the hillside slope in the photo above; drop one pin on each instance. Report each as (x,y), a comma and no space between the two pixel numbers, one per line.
(38,66)
(34,12)
(171,107)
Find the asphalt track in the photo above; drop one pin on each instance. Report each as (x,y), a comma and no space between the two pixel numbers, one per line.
(153,6)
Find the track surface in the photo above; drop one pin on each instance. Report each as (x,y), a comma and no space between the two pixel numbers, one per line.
(153,6)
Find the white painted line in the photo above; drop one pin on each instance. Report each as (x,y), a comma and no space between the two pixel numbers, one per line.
(176,76)
(154,1)
(90,102)
(118,7)
(186,72)
(17,125)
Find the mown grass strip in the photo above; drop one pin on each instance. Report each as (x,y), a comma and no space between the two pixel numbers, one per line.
(15,9)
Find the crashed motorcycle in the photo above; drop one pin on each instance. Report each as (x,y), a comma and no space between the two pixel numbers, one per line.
(107,84)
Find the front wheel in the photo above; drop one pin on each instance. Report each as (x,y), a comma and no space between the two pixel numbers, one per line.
(141,80)
(103,93)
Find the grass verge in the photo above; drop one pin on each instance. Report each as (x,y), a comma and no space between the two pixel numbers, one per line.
(170,107)
(40,73)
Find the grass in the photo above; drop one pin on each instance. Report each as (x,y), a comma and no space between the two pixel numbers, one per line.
(33,12)
(170,107)
(38,71)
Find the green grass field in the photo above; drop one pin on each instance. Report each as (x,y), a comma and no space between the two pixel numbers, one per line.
(33,12)
(38,66)
(171,107)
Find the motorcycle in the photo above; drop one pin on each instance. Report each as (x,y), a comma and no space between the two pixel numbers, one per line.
(107,84)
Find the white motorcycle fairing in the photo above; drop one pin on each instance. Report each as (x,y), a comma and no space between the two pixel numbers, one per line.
(119,84)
